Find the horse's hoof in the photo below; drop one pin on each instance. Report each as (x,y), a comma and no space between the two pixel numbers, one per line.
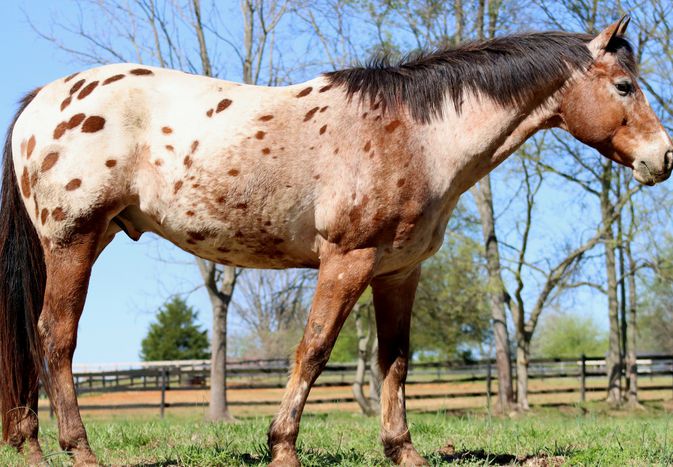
(285,458)
(34,457)
(84,458)
(409,457)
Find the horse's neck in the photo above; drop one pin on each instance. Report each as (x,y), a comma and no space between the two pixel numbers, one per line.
(465,146)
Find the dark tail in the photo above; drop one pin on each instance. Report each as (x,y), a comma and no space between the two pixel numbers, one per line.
(22,284)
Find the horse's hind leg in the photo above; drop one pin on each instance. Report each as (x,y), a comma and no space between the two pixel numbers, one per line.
(23,430)
(341,280)
(393,302)
(68,270)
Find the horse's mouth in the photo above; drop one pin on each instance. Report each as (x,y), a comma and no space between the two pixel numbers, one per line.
(643,174)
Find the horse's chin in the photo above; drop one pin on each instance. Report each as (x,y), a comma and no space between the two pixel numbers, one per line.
(643,174)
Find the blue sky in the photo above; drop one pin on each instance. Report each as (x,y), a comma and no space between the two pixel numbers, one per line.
(130,280)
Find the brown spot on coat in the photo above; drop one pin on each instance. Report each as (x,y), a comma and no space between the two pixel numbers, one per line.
(166,130)
(187,161)
(49,161)
(260,134)
(30,147)
(73,184)
(60,129)
(305,92)
(25,183)
(242,206)
(265,118)
(325,88)
(93,124)
(392,126)
(266,151)
(195,146)
(190,213)
(58,214)
(223,105)
(159,162)
(110,163)
(33,181)
(66,103)
(324,108)
(368,146)
(323,129)
(75,87)
(112,79)
(75,120)
(87,90)
(141,72)
(209,113)
(70,77)
(177,186)
(400,182)
(234,172)
(309,115)
(169,147)
(43,215)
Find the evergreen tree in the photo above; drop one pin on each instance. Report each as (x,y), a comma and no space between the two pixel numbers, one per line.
(175,335)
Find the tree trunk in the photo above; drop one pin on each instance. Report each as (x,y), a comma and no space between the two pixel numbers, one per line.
(375,376)
(361,368)
(613,361)
(220,298)
(484,199)
(631,332)
(522,360)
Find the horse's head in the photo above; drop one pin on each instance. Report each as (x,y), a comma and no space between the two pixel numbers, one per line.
(605,108)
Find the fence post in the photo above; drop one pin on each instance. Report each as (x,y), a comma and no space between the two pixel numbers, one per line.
(163,392)
(583,379)
(488,386)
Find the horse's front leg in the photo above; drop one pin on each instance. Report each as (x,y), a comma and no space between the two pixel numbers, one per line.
(393,302)
(341,280)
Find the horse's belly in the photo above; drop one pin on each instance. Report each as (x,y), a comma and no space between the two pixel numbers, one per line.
(247,235)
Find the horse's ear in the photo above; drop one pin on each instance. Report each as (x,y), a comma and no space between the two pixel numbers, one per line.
(615,30)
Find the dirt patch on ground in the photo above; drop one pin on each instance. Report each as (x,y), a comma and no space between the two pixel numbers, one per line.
(421,397)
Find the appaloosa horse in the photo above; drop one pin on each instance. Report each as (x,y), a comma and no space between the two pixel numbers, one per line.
(355,173)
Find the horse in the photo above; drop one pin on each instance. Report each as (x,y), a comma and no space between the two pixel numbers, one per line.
(354,173)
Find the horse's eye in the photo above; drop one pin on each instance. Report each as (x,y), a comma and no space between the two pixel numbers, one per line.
(624,88)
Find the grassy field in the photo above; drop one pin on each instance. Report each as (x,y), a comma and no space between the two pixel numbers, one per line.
(590,435)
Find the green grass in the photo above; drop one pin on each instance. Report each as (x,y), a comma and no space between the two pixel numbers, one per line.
(571,436)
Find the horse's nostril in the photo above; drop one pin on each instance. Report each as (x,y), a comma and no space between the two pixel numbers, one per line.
(668,160)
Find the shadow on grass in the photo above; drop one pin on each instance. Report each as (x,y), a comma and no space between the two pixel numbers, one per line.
(350,457)
(489,458)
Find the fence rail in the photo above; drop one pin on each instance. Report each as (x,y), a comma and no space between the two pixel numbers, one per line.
(566,376)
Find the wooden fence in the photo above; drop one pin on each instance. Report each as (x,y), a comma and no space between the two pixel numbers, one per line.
(565,376)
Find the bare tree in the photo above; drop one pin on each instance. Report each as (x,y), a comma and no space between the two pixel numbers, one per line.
(498,295)
(274,308)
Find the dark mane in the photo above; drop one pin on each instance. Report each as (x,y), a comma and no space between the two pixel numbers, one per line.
(509,69)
